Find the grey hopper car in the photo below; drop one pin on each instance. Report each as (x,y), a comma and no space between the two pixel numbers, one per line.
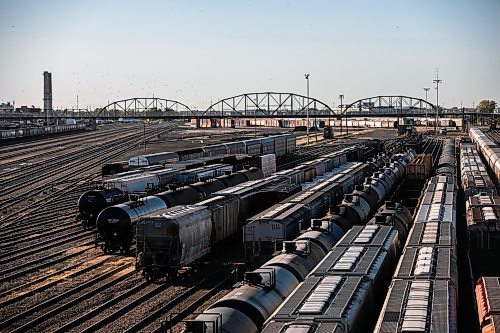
(172,238)
(279,145)
(152,159)
(253,147)
(267,145)
(214,150)
(327,299)
(235,147)
(280,222)
(483,229)
(401,313)
(438,234)
(428,263)
(370,251)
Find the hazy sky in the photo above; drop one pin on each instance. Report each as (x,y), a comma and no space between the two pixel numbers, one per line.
(198,51)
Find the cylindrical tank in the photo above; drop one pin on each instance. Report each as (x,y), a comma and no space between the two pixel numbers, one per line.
(91,203)
(323,233)
(232,179)
(252,174)
(356,207)
(369,194)
(116,224)
(298,263)
(208,187)
(258,301)
(182,196)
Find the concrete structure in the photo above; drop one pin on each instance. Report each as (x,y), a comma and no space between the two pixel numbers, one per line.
(6,107)
(47,93)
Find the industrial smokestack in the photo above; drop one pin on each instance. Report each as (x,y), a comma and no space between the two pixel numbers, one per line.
(47,94)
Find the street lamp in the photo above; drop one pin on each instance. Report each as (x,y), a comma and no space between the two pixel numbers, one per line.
(341,98)
(437,81)
(426,90)
(307,110)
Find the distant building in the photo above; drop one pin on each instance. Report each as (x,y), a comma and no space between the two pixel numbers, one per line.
(28,110)
(6,107)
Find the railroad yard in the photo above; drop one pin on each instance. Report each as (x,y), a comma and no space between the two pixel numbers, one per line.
(164,227)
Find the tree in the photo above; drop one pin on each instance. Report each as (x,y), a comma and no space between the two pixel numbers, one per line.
(486,106)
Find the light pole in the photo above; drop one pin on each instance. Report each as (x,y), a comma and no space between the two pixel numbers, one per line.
(307,110)
(426,90)
(341,98)
(437,81)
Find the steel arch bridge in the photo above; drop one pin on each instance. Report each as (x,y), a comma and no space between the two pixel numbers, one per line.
(267,104)
(145,107)
(389,105)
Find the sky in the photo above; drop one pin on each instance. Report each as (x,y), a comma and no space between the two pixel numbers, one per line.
(198,52)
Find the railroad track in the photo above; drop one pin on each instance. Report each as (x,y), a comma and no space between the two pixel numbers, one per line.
(126,295)
(8,205)
(49,143)
(49,285)
(27,319)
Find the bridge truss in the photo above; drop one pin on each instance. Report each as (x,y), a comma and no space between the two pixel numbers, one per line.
(389,105)
(145,107)
(267,104)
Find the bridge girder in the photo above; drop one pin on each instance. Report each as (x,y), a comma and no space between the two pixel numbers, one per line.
(393,104)
(144,106)
(267,104)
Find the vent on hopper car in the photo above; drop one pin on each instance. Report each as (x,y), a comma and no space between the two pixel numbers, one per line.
(320,295)
(367,234)
(178,210)
(417,307)
(430,234)
(277,211)
(489,213)
(425,261)
(435,212)
(349,258)
(302,197)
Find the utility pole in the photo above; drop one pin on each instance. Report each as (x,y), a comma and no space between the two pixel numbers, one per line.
(144,135)
(307,110)
(341,130)
(426,90)
(437,81)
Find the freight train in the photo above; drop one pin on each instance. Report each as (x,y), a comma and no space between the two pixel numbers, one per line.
(483,221)
(120,189)
(116,224)
(312,264)
(423,293)
(487,294)
(265,232)
(488,149)
(246,308)
(198,228)
(482,213)
(280,145)
(18,133)
(475,177)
